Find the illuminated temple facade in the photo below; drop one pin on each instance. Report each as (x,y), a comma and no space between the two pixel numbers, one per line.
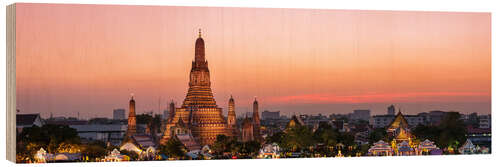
(199,111)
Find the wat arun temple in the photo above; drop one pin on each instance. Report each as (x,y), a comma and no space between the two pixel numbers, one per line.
(199,117)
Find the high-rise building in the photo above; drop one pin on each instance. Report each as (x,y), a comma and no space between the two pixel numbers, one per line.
(119,114)
(391,110)
(199,109)
(485,121)
(267,115)
(361,115)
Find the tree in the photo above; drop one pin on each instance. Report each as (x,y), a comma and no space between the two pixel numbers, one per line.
(346,139)
(221,144)
(326,137)
(173,148)
(144,118)
(453,131)
(156,123)
(449,133)
(377,134)
(95,149)
(251,148)
(427,132)
(235,146)
(326,134)
(297,138)
(49,136)
(277,137)
(68,147)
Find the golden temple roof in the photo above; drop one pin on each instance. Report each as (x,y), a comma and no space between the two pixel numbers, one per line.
(403,134)
(294,121)
(399,122)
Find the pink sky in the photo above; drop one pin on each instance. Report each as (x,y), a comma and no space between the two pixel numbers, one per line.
(89,58)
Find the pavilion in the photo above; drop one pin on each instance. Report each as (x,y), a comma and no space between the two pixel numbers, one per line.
(426,147)
(380,148)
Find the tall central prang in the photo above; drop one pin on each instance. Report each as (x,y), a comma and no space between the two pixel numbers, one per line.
(199,94)
(199,110)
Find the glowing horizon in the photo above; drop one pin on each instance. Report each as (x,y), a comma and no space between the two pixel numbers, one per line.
(89,58)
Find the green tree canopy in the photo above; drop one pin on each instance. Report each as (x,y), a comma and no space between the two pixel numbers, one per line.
(173,148)
(297,138)
(449,133)
(377,134)
(326,134)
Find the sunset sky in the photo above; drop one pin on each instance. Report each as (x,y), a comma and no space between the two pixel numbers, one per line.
(90,58)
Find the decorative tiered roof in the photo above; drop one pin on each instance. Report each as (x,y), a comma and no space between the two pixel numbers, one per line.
(428,145)
(199,109)
(467,148)
(294,121)
(404,147)
(403,134)
(380,146)
(188,141)
(399,122)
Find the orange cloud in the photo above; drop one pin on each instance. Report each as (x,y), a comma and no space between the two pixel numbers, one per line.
(383,97)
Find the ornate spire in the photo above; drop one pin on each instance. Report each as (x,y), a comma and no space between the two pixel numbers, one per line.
(199,50)
(131,125)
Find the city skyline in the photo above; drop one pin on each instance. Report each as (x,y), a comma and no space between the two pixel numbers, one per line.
(348,60)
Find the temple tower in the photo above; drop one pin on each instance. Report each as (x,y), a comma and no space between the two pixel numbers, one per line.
(247,130)
(171,109)
(199,109)
(231,114)
(256,119)
(131,126)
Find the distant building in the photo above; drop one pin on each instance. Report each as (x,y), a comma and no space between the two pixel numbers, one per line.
(314,120)
(361,115)
(165,114)
(266,115)
(341,125)
(485,121)
(415,120)
(425,117)
(381,121)
(28,120)
(68,121)
(119,114)
(435,117)
(391,110)
(248,114)
(479,136)
(112,133)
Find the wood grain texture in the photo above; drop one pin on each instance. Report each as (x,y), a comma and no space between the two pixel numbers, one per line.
(11,83)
